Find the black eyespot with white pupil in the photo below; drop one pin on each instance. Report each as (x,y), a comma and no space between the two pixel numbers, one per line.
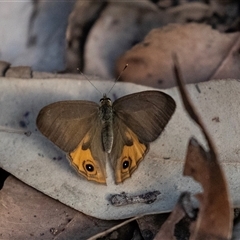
(89,167)
(125,164)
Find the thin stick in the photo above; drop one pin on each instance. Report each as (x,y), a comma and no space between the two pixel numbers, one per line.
(104,233)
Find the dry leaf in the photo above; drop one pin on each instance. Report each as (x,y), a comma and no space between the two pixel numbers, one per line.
(19,72)
(149,224)
(205,54)
(112,34)
(81,19)
(167,229)
(37,162)
(204,167)
(214,220)
(190,12)
(215,207)
(29,214)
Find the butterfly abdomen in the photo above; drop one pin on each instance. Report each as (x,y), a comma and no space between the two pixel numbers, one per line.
(106,116)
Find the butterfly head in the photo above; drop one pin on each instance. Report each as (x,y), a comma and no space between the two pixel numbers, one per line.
(105,101)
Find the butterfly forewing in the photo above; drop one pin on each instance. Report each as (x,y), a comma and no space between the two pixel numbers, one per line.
(145,113)
(66,123)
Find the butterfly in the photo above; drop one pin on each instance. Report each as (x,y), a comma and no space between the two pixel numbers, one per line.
(119,132)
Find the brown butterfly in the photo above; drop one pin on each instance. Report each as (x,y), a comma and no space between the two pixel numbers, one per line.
(121,132)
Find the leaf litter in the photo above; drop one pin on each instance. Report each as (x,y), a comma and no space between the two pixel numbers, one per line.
(215,208)
(233,60)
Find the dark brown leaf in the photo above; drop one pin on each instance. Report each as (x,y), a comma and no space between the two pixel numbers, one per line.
(215,209)
(29,214)
(167,229)
(215,215)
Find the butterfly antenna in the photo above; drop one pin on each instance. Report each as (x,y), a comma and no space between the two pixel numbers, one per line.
(118,78)
(88,80)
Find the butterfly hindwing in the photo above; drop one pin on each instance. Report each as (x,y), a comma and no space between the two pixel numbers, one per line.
(89,159)
(127,151)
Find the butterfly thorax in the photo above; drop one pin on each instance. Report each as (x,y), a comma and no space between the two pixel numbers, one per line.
(106,116)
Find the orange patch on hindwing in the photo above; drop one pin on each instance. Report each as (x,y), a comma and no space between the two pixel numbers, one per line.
(83,161)
(130,157)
